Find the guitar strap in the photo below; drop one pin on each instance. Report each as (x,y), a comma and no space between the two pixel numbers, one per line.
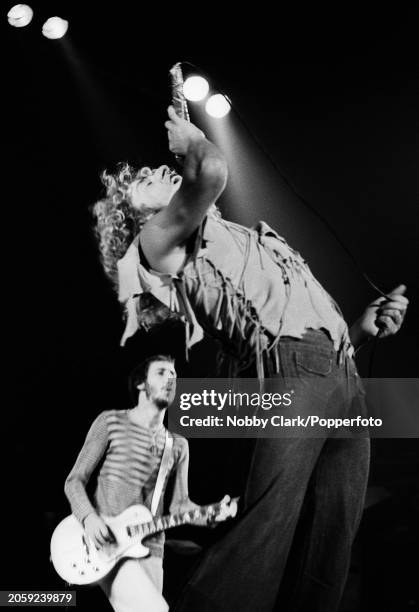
(164,466)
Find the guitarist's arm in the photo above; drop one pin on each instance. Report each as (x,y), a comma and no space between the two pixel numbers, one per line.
(91,453)
(181,501)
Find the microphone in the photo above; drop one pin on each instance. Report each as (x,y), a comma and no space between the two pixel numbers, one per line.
(178,99)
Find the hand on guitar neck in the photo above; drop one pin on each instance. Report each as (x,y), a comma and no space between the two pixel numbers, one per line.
(222,510)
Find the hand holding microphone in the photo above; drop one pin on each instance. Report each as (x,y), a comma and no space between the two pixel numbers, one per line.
(180,106)
(181,133)
(178,98)
(385,315)
(390,312)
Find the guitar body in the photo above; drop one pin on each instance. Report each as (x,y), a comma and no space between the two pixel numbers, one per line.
(75,557)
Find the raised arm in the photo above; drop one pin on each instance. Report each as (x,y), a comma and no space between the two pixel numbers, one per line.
(203,180)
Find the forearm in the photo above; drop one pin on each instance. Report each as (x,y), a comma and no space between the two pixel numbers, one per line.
(357,335)
(75,491)
(180,494)
(203,180)
(204,163)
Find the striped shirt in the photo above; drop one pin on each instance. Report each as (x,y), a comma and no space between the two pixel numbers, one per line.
(129,459)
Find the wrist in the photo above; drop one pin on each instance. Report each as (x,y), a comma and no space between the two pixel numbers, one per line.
(196,142)
(358,335)
(83,522)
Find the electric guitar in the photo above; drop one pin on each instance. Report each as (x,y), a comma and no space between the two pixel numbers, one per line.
(77,561)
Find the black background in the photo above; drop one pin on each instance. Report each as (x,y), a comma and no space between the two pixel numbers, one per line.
(332,100)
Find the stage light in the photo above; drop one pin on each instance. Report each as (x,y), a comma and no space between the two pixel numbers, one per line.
(218,106)
(20,15)
(195,88)
(54,28)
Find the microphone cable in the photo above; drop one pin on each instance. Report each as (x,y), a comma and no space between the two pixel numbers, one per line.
(301,198)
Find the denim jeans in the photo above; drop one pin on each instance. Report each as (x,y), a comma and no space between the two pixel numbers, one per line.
(290,548)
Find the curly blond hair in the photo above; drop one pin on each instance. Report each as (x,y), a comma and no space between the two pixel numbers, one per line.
(117,221)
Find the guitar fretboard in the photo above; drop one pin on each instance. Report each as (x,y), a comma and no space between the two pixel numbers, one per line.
(162,523)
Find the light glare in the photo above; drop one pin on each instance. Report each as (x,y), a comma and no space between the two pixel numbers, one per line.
(54,28)
(218,106)
(20,15)
(195,88)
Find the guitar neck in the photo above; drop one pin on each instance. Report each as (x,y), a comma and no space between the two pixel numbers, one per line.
(162,523)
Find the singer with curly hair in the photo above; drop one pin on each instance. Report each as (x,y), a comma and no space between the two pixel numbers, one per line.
(160,235)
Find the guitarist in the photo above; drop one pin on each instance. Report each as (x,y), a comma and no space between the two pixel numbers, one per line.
(128,446)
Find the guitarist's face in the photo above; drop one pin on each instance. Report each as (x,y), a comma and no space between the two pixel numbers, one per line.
(160,386)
